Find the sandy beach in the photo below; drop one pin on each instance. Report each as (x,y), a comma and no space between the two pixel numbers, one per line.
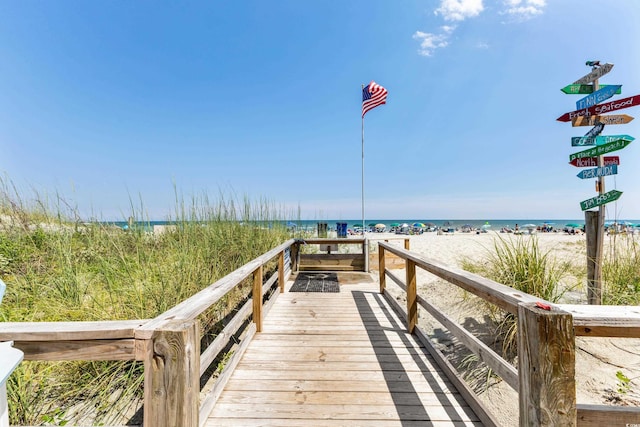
(597,359)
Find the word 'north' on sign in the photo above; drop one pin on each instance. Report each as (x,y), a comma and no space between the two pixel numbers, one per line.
(599,150)
(579,141)
(582,89)
(611,119)
(598,172)
(597,97)
(602,199)
(595,74)
(590,162)
(608,107)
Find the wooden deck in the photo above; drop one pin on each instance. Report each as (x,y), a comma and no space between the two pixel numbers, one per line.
(336,359)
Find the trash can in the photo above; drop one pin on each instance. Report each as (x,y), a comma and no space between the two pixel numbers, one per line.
(322,229)
(341,229)
(10,358)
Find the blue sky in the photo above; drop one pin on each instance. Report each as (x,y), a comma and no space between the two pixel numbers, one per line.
(108,102)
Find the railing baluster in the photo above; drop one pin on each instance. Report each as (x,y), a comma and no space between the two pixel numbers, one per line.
(412,301)
(257,298)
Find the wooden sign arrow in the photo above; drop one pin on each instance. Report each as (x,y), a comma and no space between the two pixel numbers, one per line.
(597,97)
(602,199)
(608,107)
(599,150)
(582,89)
(590,162)
(579,141)
(598,172)
(595,74)
(611,119)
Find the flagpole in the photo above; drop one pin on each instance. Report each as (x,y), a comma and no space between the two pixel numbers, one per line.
(363,173)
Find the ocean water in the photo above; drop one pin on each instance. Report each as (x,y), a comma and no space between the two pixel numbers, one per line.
(495,224)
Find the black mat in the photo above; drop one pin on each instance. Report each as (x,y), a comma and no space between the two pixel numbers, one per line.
(316,282)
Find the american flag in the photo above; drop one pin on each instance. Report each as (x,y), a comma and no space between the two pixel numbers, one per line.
(373,95)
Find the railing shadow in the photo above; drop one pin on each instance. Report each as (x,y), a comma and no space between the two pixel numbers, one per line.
(398,379)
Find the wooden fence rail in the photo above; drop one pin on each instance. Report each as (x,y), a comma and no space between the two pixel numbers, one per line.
(169,344)
(545,379)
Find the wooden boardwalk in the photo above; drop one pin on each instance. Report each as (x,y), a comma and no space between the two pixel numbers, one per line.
(336,359)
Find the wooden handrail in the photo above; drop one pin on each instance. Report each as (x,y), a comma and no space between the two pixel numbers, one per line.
(545,379)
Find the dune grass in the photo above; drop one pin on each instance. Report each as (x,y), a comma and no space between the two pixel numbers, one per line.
(519,262)
(59,268)
(621,272)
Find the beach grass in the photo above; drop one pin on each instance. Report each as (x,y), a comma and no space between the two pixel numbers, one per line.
(621,272)
(59,268)
(519,262)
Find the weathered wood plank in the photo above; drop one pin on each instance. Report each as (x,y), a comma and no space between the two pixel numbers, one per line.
(604,320)
(68,331)
(346,412)
(123,349)
(282,422)
(607,415)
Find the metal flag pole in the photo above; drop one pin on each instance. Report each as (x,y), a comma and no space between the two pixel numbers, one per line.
(363,172)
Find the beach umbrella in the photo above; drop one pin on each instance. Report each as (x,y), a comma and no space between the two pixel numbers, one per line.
(430,224)
(572,225)
(371,224)
(486,225)
(404,224)
(529,226)
(380,226)
(418,224)
(394,224)
(357,225)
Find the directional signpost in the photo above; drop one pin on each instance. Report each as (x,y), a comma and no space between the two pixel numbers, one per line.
(594,75)
(609,107)
(590,162)
(600,150)
(591,111)
(600,200)
(582,89)
(578,141)
(597,97)
(611,119)
(598,172)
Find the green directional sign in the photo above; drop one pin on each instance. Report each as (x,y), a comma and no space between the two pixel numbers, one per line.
(600,150)
(602,199)
(583,89)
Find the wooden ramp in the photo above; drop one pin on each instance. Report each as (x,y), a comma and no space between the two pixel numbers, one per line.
(338,359)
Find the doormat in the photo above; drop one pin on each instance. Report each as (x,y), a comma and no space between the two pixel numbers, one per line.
(316,282)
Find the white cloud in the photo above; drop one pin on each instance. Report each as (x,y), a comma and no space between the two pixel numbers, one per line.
(459,10)
(429,42)
(523,10)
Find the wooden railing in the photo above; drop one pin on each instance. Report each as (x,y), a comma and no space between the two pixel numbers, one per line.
(545,380)
(169,345)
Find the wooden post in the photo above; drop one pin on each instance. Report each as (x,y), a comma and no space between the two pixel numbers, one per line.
(412,301)
(295,251)
(172,376)
(281,271)
(381,267)
(406,244)
(596,298)
(546,367)
(594,288)
(365,253)
(257,298)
